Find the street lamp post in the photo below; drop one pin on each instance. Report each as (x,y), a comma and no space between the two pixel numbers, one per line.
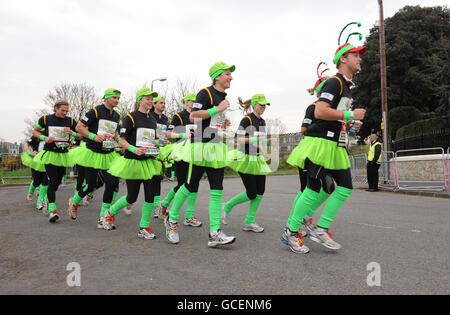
(384,105)
(161,79)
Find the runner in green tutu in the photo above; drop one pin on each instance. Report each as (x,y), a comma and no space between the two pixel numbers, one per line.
(323,152)
(99,127)
(249,162)
(55,155)
(39,178)
(138,165)
(207,153)
(181,128)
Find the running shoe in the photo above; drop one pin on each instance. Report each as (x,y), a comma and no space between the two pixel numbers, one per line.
(171,230)
(253,227)
(146,233)
(294,241)
(323,237)
(108,221)
(29,197)
(100,223)
(127,211)
(192,222)
(53,216)
(308,227)
(72,210)
(155,212)
(217,238)
(163,212)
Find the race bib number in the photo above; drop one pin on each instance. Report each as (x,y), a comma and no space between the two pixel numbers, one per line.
(145,137)
(106,127)
(58,133)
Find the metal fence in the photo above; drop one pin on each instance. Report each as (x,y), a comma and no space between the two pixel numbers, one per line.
(12,169)
(408,169)
(427,172)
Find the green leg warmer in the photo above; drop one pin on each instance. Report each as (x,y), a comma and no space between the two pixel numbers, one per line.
(156,200)
(42,193)
(147,209)
(166,202)
(295,202)
(333,205)
(215,209)
(51,207)
(31,189)
(303,205)
(114,197)
(241,198)
(104,207)
(76,199)
(191,205)
(320,200)
(254,205)
(178,202)
(120,204)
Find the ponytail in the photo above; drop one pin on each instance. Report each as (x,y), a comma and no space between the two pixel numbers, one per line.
(245,106)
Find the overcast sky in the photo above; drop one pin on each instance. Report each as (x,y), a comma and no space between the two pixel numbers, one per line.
(275,45)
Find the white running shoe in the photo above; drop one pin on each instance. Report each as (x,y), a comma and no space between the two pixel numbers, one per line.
(29,197)
(100,223)
(108,221)
(217,238)
(323,237)
(253,227)
(171,230)
(72,210)
(192,222)
(53,216)
(146,233)
(294,241)
(127,211)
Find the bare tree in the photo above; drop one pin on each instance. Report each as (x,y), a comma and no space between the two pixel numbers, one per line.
(81,97)
(176,92)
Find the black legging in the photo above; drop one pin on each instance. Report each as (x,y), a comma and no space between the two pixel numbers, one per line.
(39,178)
(181,172)
(215,178)
(327,183)
(92,179)
(81,171)
(55,175)
(254,184)
(134,185)
(343,178)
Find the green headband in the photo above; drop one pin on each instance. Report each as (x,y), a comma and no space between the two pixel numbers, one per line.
(110,93)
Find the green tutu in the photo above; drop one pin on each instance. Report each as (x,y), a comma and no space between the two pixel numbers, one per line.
(26,159)
(248,164)
(88,158)
(320,151)
(53,158)
(179,148)
(135,169)
(212,155)
(165,151)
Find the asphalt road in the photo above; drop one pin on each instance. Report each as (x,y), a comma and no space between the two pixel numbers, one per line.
(406,236)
